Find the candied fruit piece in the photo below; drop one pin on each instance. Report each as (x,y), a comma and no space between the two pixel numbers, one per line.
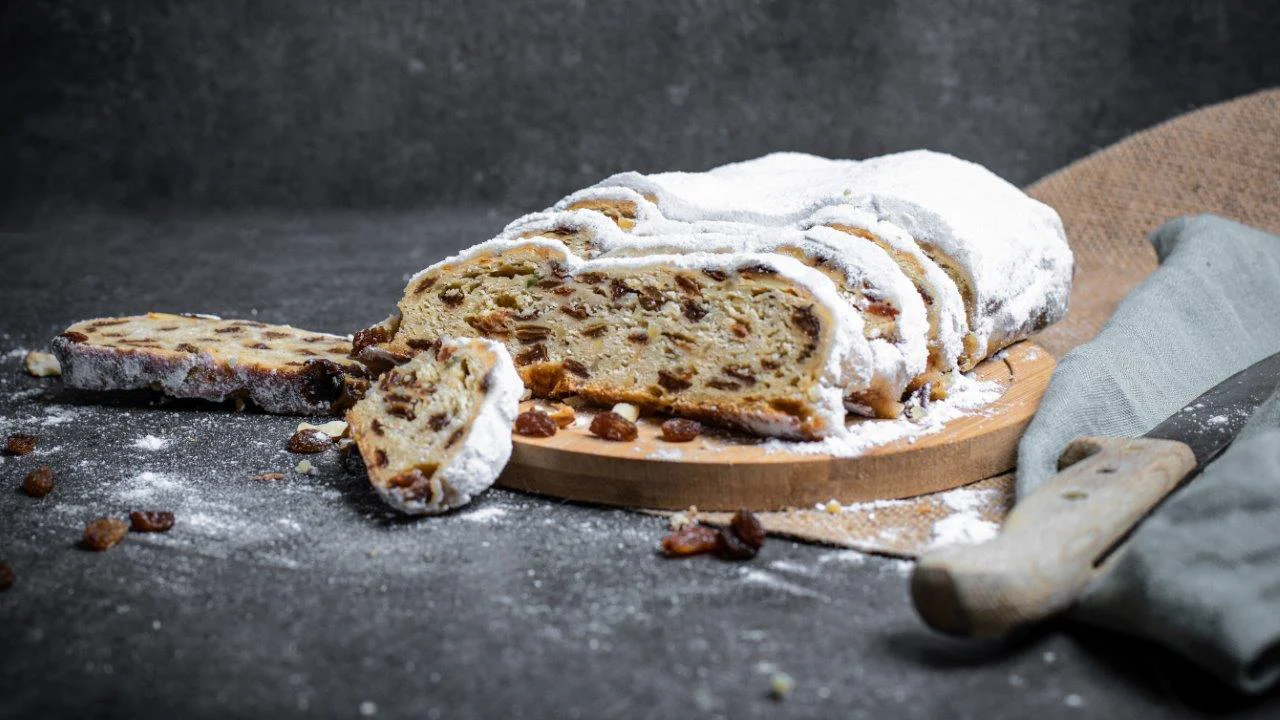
(681,430)
(691,539)
(39,482)
(309,441)
(148,521)
(104,533)
(535,423)
(20,444)
(612,426)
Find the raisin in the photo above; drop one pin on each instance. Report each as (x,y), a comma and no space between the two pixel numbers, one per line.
(594,330)
(747,528)
(804,319)
(532,333)
(577,311)
(322,381)
(535,423)
(882,309)
(309,441)
(590,278)
(681,430)
(731,547)
(674,382)
(490,324)
(741,330)
(689,540)
(149,521)
(537,353)
(401,410)
(563,290)
(454,438)
(379,458)
(741,372)
(719,384)
(423,344)
(612,426)
(279,335)
(689,285)
(187,348)
(424,286)
(20,444)
(230,330)
(437,422)
(259,346)
(618,289)
(639,337)
(39,482)
(376,427)
(757,269)
(451,296)
(651,299)
(717,275)
(104,533)
(268,476)
(695,311)
(6,576)
(413,485)
(369,337)
(575,367)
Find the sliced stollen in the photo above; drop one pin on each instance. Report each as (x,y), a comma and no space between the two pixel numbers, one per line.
(748,340)
(1005,252)
(279,368)
(436,430)
(866,276)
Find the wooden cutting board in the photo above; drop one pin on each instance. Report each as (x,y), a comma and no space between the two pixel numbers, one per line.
(726,471)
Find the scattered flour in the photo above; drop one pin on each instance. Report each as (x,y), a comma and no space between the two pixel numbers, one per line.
(965,499)
(484,514)
(151,442)
(666,454)
(145,485)
(15,353)
(962,528)
(966,396)
(59,415)
(769,580)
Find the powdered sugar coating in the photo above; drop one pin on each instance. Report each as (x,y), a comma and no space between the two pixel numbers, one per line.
(1012,248)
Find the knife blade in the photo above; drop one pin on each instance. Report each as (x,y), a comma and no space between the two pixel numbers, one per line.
(1053,543)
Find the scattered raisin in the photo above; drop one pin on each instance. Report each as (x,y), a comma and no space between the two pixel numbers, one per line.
(577,311)
(731,547)
(39,482)
(695,311)
(747,528)
(148,521)
(535,423)
(537,353)
(681,430)
(689,540)
(268,476)
(612,426)
(674,382)
(309,441)
(6,576)
(20,444)
(368,337)
(104,533)
(575,367)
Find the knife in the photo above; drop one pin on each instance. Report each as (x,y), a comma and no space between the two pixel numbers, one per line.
(1057,539)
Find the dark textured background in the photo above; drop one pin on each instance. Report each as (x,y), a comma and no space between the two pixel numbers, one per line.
(294,160)
(360,104)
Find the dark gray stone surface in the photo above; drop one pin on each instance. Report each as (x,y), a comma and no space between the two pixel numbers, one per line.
(305,597)
(399,103)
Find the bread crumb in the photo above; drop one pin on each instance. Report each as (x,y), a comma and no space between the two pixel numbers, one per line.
(781,685)
(833,507)
(304,467)
(42,364)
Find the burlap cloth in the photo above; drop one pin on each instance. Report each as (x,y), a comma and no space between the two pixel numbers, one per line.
(1223,159)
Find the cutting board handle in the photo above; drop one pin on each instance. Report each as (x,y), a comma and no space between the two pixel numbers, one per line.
(1046,551)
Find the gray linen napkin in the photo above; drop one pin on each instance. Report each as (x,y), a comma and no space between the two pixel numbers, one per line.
(1202,575)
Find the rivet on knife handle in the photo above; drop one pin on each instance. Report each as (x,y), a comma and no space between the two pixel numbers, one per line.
(1046,551)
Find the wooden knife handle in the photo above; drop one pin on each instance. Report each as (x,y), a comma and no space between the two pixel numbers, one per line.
(1047,549)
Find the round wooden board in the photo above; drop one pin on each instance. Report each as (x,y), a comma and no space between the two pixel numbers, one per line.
(726,471)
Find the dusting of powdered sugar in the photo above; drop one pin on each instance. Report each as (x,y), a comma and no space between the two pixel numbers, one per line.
(966,396)
(965,525)
(151,443)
